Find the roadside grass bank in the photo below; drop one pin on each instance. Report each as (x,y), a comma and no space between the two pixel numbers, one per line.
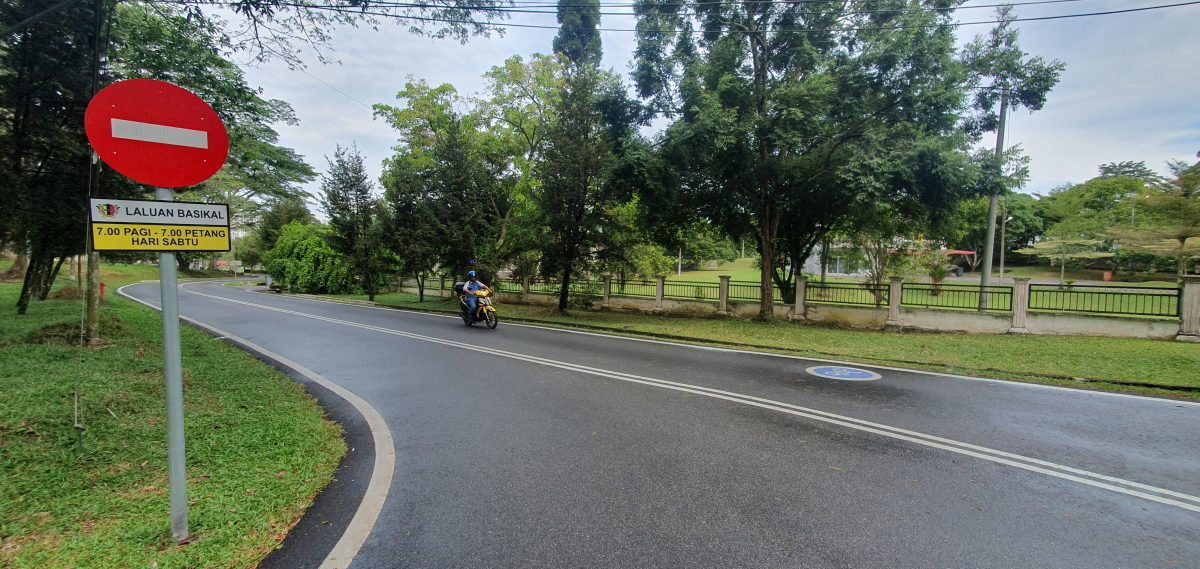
(258,448)
(1152,367)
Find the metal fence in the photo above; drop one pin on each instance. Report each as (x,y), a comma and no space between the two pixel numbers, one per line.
(640,288)
(999,298)
(1101,299)
(862,294)
(749,290)
(691,290)
(1096,299)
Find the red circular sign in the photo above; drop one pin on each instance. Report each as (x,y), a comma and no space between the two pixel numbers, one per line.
(157,133)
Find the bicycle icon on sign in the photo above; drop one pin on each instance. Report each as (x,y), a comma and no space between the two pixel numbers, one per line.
(843,373)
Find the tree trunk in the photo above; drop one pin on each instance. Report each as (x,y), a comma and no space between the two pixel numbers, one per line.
(565,290)
(1181,264)
(824,258)
(766,249)
(420,288)
(33,277)
(52,276)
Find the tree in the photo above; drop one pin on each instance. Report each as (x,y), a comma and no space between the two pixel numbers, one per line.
(45,84)
(780,105)
(577,192)
(1012,82)
(1065,250)
(1091,208)
(966,226)
(577,38)
(410,222)
(275,29)
(1172,210)
(1129,169)
(462,172)
(303,261)
(356,231)
(277,213)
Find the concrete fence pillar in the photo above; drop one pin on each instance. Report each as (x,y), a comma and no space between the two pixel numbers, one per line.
(658,292)
(607,291)
(800,310)
(1020,305)
(1189,309)
(895,291)
(723,307)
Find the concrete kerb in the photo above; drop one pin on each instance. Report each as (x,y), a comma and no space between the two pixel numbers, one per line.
(383,455)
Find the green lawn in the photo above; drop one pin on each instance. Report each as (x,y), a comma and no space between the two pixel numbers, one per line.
(1104,363)
(258,447)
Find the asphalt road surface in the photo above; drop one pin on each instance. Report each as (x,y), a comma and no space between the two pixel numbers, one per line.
(530,447)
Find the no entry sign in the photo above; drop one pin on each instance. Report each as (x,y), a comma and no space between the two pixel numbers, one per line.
(157,133)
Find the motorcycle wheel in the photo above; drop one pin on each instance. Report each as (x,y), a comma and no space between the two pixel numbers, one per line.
(466,319)
(491,320)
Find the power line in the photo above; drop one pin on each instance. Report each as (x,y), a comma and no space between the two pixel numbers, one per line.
(528,6)
(363,12)
(343,93)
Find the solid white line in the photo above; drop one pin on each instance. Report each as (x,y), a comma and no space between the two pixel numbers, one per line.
(364,519)
(162,134)
(985,453)
(1008,383)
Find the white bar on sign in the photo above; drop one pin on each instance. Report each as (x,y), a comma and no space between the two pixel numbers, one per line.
(147,132)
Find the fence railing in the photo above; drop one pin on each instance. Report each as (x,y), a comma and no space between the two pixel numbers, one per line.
(691,290)
(1160,302)
(862,294)
(963,296)
(750,290)
(639,288)
(1102,299)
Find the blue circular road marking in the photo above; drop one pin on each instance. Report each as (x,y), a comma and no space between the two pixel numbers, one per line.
(843,373)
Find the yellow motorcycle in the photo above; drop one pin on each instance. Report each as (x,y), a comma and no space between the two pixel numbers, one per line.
(484,311)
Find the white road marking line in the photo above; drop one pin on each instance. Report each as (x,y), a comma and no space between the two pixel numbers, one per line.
(368,511)
(161,134)
(998,456)
(616,336)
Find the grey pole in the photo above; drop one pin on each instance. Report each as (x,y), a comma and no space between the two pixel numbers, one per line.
(173,376)
(991,226)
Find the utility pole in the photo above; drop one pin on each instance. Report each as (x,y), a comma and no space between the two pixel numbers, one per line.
(990,242)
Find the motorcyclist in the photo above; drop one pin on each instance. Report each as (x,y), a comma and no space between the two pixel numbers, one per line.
(469,289)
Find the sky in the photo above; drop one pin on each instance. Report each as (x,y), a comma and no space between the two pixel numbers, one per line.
(1129,91)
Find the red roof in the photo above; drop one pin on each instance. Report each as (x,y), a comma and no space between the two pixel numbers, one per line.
(960,252)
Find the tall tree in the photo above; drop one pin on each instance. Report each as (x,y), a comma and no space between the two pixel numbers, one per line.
(577,38)
(45,85)
(779,105)
(1172,212)
(1004,80)
(1130,169)
(577,194)
(356,230)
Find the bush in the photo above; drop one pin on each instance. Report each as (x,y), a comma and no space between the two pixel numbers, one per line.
(303,261)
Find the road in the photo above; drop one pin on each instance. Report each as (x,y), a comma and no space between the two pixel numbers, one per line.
(532,447)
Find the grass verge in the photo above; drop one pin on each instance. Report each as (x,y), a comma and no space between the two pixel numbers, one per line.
(1119,364)
(258,447)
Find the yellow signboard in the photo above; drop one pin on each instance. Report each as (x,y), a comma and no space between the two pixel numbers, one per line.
(166,226)
(144,237)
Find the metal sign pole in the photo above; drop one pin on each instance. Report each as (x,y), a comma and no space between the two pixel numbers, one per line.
(173,375)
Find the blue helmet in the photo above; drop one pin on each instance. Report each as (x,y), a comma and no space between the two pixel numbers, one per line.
(471,274)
